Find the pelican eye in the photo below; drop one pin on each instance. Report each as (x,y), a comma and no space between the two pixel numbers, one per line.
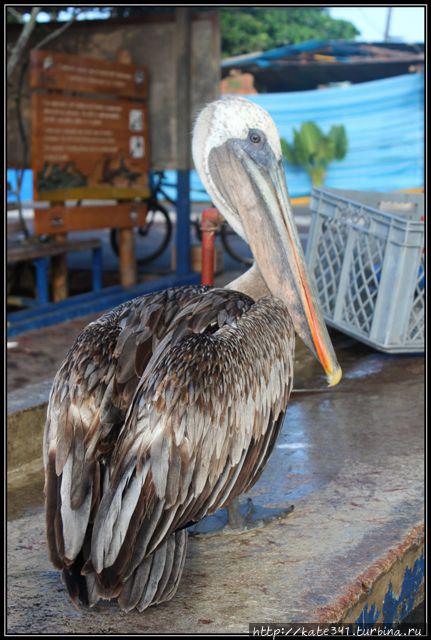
(254,137)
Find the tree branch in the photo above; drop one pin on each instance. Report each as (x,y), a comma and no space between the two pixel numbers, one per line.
(22,42)
(16,14)
(58,31)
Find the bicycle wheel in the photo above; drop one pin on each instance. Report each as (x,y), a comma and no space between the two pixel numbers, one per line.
(235,246)
(151,240)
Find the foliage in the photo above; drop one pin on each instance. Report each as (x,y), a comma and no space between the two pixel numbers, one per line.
(15,15)
(254,29)
(314,151)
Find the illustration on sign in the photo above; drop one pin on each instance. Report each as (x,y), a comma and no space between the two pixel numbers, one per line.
(118,174)
(136,120)
(137,149)
(139,76)
(56,176)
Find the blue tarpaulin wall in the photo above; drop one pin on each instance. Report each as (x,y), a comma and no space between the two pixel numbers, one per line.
(384,121)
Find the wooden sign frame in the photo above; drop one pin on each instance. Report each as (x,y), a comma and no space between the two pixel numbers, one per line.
(89,141)
(61,219)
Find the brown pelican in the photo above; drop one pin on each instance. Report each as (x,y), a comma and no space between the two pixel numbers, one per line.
(167,407)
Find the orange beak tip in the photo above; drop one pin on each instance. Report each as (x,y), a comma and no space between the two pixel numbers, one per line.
(334,377)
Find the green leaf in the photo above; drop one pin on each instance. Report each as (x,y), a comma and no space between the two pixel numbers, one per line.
(338,136)
(301,153)
(326,152)
(311,137)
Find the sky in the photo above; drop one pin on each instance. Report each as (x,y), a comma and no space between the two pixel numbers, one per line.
(407,23)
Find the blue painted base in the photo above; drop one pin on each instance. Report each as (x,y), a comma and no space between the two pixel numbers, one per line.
(395,608)
(46,315)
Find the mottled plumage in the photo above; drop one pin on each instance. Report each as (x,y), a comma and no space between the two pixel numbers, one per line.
(164,409)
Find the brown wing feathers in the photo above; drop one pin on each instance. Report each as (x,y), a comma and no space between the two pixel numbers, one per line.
(160,445)
(87,408)
(172,406)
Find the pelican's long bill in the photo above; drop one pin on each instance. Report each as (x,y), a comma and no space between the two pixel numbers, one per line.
(251,181)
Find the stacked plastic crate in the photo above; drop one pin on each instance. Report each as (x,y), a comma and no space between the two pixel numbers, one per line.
(366,253)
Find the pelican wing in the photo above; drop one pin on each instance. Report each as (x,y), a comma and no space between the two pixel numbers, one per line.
(201,425)
(88,402)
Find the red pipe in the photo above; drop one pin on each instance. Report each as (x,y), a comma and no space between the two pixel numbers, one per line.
(209,225)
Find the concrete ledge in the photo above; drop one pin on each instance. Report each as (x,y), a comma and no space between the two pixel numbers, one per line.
(29,397)
(26,415)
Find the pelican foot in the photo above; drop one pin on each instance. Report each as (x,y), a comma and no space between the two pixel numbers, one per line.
(240,516)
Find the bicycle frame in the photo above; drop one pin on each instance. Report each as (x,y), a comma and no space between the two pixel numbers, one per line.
(157,182)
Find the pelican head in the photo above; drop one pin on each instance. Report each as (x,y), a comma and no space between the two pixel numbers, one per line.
(237,153)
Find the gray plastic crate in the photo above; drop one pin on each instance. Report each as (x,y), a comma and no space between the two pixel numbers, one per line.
(365,251)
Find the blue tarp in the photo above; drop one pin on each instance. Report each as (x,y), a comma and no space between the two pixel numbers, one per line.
(341,50)
(384,121)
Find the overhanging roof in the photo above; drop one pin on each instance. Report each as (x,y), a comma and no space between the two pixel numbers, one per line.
(316,62)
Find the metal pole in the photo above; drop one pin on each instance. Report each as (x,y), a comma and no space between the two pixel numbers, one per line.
(210,222)
(388,24)
(42,287)
(183,55)
(97,276)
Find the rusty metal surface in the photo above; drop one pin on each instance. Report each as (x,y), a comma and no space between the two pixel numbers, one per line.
(350,459)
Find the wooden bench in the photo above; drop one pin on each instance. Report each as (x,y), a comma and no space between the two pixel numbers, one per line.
(41,254)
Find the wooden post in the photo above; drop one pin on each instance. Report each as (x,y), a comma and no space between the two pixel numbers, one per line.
(60,288)
(126,246)
(183,51)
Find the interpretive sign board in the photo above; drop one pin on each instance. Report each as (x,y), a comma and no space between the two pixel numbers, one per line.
(88,146)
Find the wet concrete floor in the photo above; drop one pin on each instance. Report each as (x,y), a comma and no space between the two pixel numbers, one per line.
(350,460)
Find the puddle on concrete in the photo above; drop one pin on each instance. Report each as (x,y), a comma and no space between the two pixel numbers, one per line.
(366,367)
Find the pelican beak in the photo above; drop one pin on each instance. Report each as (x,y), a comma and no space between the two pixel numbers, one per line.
(253,185)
